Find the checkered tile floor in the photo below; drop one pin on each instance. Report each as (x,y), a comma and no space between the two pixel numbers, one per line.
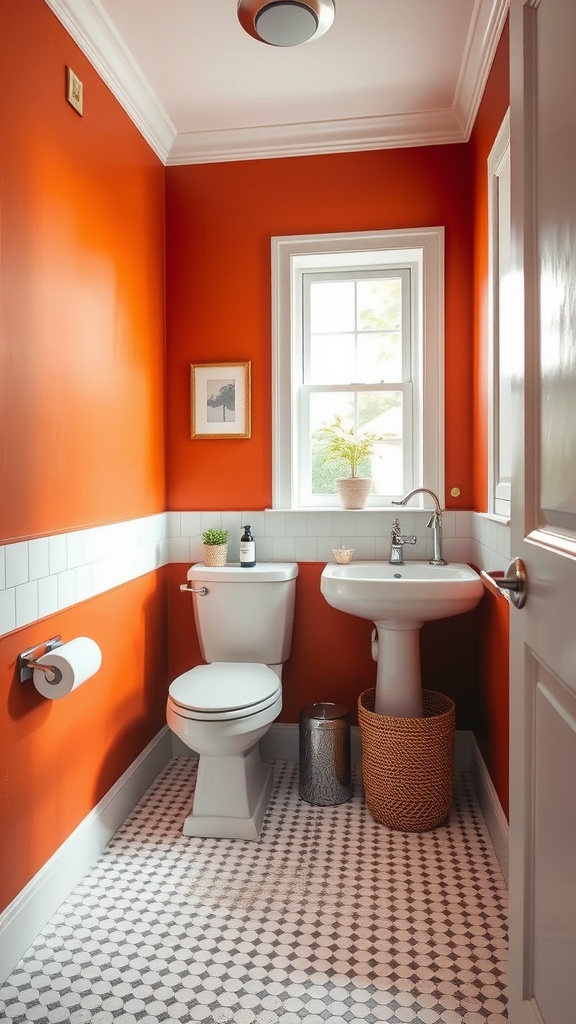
(329,918)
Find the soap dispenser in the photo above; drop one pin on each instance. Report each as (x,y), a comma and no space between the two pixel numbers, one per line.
(247,549)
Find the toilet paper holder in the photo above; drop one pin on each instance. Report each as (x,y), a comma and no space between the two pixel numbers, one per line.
(27,661)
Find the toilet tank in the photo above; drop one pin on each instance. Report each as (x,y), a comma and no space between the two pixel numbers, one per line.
(247,614)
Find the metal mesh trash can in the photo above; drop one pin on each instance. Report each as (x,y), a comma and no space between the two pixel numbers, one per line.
(325,774)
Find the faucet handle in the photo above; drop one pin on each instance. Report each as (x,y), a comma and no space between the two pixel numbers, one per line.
(399,538)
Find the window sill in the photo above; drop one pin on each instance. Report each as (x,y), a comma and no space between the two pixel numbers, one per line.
(493,518)
(336,508)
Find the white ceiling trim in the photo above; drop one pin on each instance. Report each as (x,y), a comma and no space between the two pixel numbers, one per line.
(91,28)
(485,31)
(316,137)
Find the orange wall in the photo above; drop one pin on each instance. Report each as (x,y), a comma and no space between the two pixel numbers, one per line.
(81,418)
(219,220)
(59,758)
(82,306)
(491,719)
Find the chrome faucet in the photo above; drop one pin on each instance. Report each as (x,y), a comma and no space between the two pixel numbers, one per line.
(434,523)
(397,542)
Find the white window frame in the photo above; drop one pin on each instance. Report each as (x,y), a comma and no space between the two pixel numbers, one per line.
(499,245)
(420,248)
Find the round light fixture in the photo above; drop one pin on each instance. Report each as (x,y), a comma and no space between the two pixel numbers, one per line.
(286,22)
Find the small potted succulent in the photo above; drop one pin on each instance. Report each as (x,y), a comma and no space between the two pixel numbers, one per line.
(215,546)
(342,445)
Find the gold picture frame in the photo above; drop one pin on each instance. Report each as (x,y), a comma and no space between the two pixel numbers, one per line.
(74,91)
(220,400)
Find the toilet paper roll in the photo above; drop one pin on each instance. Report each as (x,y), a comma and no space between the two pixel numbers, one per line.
(74,662)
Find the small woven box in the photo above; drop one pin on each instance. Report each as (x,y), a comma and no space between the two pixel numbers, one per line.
(343,555)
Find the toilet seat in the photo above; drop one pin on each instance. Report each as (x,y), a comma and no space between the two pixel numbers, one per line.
(224,690)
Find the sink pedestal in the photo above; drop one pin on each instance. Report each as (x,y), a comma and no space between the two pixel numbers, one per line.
(398,680)
(398,599)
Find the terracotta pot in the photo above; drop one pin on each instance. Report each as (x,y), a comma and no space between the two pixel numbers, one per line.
(215,554)
(354,490)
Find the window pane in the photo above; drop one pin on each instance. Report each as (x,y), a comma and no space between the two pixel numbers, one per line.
(378,359)
(331,306)
(355,331)
(355,359)
(333,359)
(381,412)
(380,304)
(376,412)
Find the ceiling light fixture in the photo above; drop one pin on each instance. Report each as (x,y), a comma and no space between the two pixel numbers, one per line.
(286,22)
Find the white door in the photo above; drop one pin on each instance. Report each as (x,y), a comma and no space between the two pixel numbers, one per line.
(543,633)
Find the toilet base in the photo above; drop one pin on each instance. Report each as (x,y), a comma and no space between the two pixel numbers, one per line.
(231,797)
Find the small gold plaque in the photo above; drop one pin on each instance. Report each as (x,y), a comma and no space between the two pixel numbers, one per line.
(74,91)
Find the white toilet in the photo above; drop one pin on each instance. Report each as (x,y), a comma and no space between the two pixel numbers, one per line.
(221,710)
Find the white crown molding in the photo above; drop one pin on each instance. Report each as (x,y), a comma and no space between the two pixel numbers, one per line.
(90,27)
(428,128)
(486,27)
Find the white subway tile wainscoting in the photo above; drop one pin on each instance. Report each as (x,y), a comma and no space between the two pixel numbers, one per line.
(42,576)
(310,536)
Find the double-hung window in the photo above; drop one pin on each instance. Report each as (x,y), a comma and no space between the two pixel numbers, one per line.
(357,326)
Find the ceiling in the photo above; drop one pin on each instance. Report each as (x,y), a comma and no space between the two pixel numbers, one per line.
(387,73)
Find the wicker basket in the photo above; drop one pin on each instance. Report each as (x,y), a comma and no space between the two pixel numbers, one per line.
(215,554)
(408,763)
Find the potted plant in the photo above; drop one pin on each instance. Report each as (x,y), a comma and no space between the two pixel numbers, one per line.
(215,546)
(340,444)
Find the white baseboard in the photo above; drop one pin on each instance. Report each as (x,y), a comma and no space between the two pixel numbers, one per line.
(463,745)
(25,917)
(179,748)
(496,821)
(281,743)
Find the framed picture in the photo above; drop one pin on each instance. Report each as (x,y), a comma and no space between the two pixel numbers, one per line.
(74,91)
(220,400)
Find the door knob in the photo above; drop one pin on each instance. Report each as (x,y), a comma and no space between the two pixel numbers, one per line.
(513,580)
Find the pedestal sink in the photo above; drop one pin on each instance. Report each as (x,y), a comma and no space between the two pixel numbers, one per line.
(398,599)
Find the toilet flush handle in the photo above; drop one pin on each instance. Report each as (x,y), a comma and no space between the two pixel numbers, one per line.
(190,590)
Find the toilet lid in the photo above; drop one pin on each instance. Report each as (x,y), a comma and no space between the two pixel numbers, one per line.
(224,686)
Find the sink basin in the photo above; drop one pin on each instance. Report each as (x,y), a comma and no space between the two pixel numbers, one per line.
(412,593)
(398,599)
